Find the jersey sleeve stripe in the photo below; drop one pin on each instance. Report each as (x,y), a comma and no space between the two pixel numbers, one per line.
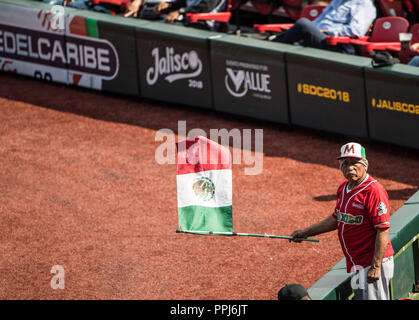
(380,224)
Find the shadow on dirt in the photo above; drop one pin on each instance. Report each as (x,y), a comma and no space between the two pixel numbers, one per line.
(279,140)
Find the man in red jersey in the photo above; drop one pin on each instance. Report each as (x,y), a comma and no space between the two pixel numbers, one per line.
(362,218)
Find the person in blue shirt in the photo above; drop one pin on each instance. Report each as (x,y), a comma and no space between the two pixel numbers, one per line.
(351,18)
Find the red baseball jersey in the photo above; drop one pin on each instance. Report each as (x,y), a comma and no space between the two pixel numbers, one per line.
(359,213)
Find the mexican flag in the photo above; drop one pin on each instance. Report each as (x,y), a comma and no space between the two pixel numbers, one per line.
(204,186)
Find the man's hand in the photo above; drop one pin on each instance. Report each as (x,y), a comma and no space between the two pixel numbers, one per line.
(172,16)
(414,47)
(373,274)
(297,235)
(158,8)
(326,225)
(133,8)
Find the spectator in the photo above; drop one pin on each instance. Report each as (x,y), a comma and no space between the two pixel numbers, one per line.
(177,8)
(362,218)
(293,292)
(351,18)
(415,60)
(322,2)
(82,5)
(134,8)
(69,3)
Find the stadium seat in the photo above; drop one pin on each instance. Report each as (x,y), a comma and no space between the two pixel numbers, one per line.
(310,12)
(405,55)
(414,30)
(116,6)
(384,34)
(294,8)
(266,7)
(223,16)
(391,8)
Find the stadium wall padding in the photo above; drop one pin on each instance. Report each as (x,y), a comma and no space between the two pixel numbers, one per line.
(326,91)
(250,79)
(393,104)
(21,28)
(404,234)
(174,64)
(280,83)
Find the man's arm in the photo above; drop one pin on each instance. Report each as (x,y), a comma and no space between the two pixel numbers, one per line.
(203,6)
(381,241)
(326,225)
(363,15)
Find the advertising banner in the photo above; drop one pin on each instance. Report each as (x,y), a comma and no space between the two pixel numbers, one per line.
(75,47)
(109,59)
(327,91)
(249,78)
(32,42)
(393,104)
(174,64)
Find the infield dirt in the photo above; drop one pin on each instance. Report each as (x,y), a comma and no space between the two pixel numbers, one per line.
(80,188)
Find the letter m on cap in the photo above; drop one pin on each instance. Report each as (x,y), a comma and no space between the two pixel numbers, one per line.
(349,149)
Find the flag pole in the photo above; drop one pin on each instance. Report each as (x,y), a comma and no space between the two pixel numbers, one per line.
(215,233)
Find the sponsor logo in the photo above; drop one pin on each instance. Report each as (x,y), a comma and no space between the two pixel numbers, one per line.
(6,65)
(53,20)
(381,208)
(327,93)
(204,188)
(81,54)
(357,205)
(244,77)
(395,105)
(348,218)
(174,66)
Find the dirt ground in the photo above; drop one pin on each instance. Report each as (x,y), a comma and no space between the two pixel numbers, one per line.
(80,188)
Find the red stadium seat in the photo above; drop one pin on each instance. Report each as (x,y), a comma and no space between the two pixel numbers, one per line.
(294,8)
(414,30)
(405,55)
(391,8)
(116,6)
(222,17)
(310,12)
(385,34)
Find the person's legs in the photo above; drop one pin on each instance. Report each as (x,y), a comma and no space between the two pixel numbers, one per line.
(79,4)
(310,36)
(380,289)
(54,2)
(414,61)
(302,30)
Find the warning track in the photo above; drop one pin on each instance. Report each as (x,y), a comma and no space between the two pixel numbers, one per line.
(80,187)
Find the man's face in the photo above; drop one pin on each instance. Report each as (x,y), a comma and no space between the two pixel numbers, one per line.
(352,169)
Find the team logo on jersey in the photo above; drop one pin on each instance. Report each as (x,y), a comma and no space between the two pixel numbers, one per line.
(348,218)
(204,188)
(382,209)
